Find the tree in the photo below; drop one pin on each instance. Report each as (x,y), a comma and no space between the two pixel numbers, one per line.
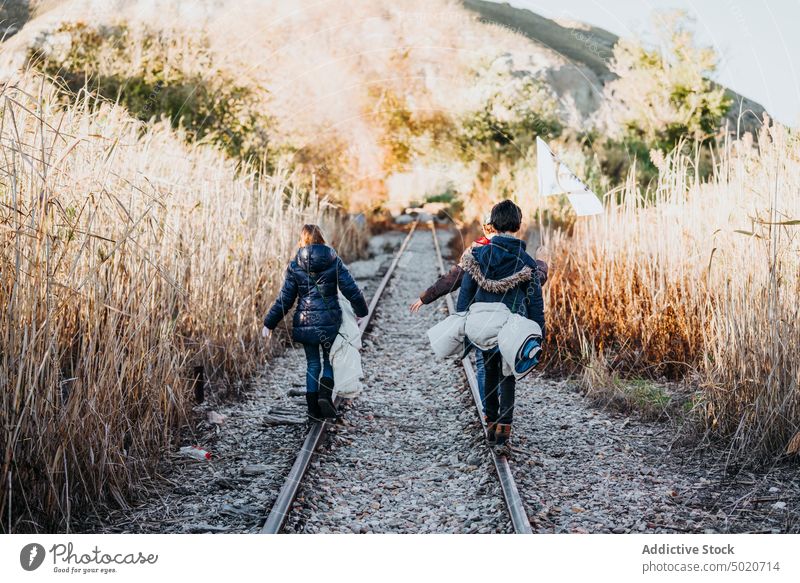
(664,94)
(511,109)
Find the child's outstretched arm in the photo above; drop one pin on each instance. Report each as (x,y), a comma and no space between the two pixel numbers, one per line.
(543,270)
(446,284)
(283,303)
(349,288)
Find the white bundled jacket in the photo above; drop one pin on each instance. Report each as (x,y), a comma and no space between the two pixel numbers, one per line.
(486,325)
(346,355)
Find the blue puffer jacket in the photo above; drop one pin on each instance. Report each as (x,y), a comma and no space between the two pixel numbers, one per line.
(315,276)
(502,272)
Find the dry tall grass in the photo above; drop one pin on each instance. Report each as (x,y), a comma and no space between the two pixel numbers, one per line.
(704,280)
(127,259)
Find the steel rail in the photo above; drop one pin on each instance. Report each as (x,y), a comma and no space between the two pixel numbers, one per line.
(286,496)
(516,508)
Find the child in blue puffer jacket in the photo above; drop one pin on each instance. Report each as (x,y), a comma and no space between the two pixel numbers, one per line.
(314,278)
(502,271)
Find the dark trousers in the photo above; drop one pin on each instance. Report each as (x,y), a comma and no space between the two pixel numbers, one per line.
(499,389)
(315,367)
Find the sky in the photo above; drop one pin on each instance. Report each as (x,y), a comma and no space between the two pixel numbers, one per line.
(757,40)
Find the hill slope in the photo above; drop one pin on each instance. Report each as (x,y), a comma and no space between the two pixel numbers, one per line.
(588,46)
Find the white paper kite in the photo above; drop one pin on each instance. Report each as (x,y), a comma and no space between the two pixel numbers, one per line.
(556,178)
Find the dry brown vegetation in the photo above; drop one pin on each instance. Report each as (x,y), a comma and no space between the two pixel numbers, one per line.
(127,259)
(697,278)
(135,250)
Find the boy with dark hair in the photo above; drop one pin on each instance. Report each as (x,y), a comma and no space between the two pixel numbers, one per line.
(451,281)
(506,217)
(502,271)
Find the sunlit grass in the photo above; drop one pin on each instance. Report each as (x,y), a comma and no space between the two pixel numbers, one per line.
(699,279)
(128,258)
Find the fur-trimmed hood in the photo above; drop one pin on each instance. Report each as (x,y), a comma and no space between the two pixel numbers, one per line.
(500,266)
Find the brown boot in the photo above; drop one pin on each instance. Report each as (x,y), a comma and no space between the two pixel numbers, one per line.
(503,439)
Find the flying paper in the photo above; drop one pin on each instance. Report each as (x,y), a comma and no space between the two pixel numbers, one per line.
(556,178)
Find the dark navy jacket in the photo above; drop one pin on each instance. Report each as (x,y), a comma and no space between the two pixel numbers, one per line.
(502,272)
(315,276)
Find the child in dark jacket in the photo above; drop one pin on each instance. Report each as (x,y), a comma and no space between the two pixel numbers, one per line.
(502,271)
(314,279)
(451,281)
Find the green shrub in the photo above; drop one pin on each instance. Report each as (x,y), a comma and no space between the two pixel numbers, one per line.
(408,134)
(662,99)
(447,196)
(514,112)
(209,107)
(664,96)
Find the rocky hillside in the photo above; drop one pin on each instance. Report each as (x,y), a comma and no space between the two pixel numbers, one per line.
(589,50)
(572,57)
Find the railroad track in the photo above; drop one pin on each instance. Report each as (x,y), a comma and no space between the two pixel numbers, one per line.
(289,490)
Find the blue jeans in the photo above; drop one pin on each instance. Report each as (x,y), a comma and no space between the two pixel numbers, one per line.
(315,367)
(480,372)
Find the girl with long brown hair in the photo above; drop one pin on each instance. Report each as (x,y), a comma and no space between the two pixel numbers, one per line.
(314,279)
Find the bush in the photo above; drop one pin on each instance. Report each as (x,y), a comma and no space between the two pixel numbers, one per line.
(210,106)
(664,96)
(662,99)
(514,111)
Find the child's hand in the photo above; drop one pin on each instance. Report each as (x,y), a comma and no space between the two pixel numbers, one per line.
(265,332)
(414,308)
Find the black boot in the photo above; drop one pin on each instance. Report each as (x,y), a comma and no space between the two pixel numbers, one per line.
(325,399)
(491,432)
(314,414)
